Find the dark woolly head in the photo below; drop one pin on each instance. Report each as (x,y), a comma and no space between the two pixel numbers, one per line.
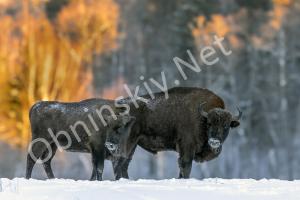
(118,131)
(219,122)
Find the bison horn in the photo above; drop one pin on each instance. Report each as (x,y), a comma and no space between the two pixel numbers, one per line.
(238,117)
(202,112)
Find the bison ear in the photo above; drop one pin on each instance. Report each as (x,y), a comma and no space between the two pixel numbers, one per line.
(234,124)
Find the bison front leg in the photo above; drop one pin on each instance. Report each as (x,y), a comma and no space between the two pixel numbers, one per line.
(185,161)
(121,168)
(98,163)
(117,165)
(125,169)
(93,177)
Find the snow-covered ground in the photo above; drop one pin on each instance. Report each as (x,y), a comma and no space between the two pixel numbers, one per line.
(211,189)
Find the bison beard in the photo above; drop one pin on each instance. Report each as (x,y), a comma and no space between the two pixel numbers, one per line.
(215,145)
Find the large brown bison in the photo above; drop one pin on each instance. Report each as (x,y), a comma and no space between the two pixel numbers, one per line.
(191,121)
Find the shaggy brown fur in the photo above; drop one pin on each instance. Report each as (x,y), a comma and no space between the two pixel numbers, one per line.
(180,123)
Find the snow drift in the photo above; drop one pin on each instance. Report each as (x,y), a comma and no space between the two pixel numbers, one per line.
(212,189)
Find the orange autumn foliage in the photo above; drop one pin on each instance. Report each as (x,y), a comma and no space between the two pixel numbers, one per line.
(42,60)
(229,26)
(218,25)
(278,13)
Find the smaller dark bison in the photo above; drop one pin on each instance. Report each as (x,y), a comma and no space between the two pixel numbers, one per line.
(191,121)
(88,123)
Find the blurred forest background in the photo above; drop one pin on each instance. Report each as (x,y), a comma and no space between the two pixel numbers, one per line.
(74,49)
